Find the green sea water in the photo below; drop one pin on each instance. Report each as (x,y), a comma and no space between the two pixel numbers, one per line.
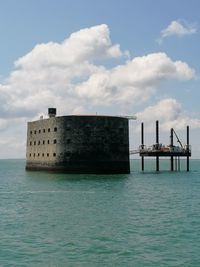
(137,219)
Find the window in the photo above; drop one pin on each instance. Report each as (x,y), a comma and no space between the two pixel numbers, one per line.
(54,154)
(39,131)
(49,130)
(68,141)
(43,142)
(48,142)
(30,143)
(35,132)
(43,130)
(43,154)
(30,155)
(31,132)
(54,141)
(34,155)
(47,154)
(34,143)
(38,154)
(55,129)
(38,143)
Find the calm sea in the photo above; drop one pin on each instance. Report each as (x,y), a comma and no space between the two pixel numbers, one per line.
(139,219)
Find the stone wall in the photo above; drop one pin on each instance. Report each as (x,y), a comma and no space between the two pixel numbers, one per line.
(79,144)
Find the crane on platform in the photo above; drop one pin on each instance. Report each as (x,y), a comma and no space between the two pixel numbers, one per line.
(178,140)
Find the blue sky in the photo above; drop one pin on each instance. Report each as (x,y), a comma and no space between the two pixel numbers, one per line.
(137,27)
(135,24)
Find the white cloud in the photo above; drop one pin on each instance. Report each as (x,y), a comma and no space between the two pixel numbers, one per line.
(135,81)
(177,28)
(170,114)
(85,45)
(3,124)
(67,76)
(48,74)
(54,74)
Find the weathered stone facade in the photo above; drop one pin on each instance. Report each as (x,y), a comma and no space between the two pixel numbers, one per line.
(79,144)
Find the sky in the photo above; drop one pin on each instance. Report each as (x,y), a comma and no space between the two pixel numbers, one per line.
(131,57)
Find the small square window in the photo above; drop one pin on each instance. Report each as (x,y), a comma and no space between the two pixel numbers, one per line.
(55,129)
(30,143)
(68,141)
(31,132)
(54,141)
(47,154)
(35,132)
(54,154)
(43,130)
(49,130)
(43,142)
(43,154)
(38,154)
(39,131)
(48,142)
(30,155)
(34,143)
(38,142)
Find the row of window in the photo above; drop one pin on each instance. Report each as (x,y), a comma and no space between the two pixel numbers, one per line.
(121,129)
(34,143)
(44,130)
(38,155)
(42,142)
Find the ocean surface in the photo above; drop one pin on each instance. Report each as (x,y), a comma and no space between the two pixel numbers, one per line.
(137,219)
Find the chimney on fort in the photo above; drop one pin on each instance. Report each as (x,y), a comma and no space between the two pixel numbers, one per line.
(52,112)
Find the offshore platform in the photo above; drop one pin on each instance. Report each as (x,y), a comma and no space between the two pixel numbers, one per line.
(158,150)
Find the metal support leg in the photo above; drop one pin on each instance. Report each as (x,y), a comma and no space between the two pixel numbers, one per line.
(188,164)
(157,164)
(142,161)
(172,163)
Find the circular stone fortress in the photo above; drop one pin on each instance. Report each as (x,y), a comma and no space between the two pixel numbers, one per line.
(78,144)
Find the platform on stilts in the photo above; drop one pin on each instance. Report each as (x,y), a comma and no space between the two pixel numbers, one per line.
(158,150)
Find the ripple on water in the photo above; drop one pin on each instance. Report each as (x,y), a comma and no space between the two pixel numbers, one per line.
(141,219)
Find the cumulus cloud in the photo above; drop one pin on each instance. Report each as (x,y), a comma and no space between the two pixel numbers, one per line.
(135,81)
(66,75)
(48,74)
(177,28)
(71,76)
(85,45)
(170,114)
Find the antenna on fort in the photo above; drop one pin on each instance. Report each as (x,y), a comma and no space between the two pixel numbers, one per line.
(52,112)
